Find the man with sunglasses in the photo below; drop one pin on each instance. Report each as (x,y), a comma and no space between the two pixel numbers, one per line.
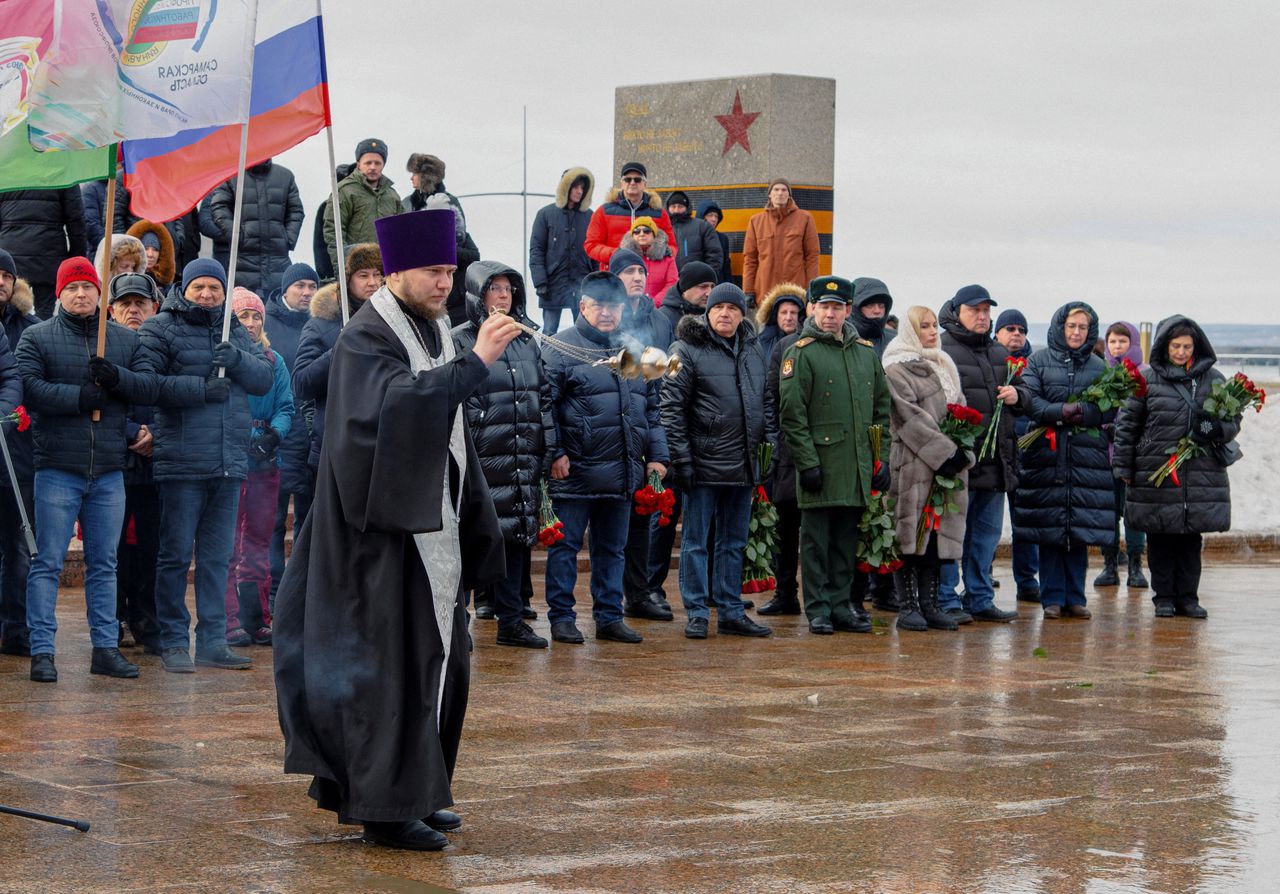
(1011,331)
(616,217)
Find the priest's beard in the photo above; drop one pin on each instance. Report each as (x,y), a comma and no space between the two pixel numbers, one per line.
(421,307)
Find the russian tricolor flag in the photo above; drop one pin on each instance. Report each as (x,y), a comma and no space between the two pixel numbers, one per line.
(168,176)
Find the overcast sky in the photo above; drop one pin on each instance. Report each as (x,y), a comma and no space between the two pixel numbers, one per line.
(1124,153)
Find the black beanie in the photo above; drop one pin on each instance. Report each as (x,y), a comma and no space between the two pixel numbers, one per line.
(7,264)
(727,293)
(695,273)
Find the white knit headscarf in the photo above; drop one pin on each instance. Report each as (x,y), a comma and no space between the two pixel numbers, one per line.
(906,346)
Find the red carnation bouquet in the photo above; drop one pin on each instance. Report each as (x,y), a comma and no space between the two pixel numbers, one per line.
(19,416)
(654,498)
(762,536)
(550,528)
(1226,401)
(1111,390)
(962,425)
(1013,367)
(877,550)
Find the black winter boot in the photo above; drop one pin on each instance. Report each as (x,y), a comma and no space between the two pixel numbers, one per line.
(1110,576)
(1137,580)
(927,582)
(781,604)
(907,582)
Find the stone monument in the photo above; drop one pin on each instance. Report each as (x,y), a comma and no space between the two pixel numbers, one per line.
(723,139)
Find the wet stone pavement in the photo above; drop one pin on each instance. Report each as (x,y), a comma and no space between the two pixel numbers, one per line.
(1116,755)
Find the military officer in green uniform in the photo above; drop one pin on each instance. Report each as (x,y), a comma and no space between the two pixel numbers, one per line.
(831,390)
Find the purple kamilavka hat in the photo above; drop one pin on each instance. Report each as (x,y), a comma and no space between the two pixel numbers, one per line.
(417,239)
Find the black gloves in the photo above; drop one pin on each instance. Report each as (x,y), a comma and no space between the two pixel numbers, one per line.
(880,479)
(811,479)
(216,390)
(953,465)
(104,372)
(264,448)
(1091,415)
(227,355)
(92,397)
(1072,414)
(685,479)
(1206,429)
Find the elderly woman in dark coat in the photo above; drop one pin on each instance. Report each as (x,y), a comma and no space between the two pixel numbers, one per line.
(1175,514)
(922,381)
(1066,500)
(510,421)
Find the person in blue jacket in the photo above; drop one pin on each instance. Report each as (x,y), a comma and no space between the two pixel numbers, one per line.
(249,574)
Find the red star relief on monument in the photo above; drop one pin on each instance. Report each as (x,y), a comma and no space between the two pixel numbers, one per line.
(735,125)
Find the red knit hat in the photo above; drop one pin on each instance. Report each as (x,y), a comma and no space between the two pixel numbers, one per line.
(76,269)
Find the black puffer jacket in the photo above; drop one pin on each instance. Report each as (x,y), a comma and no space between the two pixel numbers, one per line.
(284,329)
(696,240)
(1148,429)
(712,410)
(981,362)
(782,475)
(510,415)
(53,357)
(608,426)
(675,308)
(17,317)
(194,439)
(557,260)
(270,222)
(41,228)
(1065,496)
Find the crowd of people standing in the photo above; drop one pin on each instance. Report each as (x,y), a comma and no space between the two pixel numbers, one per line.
(176,442)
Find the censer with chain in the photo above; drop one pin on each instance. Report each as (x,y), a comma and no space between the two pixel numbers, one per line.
(650,364)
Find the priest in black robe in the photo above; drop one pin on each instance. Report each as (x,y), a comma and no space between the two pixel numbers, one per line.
(371,648)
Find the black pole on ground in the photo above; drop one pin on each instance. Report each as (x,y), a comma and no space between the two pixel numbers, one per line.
(81,825)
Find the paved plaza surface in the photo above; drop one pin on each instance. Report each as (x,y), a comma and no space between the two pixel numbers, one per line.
(1123,754)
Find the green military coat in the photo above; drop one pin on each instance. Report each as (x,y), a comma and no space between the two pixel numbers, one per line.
(360,207)
(831,390)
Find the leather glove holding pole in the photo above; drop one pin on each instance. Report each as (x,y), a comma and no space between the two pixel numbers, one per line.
(226,355)
(104,372)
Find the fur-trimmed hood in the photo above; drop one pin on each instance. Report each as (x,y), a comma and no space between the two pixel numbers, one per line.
(659,250)
(694,331)
(653,199)
(767,310)
(165,268)
(324,303)
(23,300)
(566,183)
(123,245)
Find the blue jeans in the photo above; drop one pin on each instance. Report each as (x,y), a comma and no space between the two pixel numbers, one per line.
(1026,557)
(199,514)
(61,498)
(730,510)
(1062,574)
(981,536)
(609,520)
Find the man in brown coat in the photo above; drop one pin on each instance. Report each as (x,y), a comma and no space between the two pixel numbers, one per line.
(781,244)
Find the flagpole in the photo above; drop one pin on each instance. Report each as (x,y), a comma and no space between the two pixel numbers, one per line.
(339,247)
(239,199)
(105,276)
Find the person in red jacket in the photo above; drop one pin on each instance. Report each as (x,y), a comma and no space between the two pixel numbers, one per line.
(650,243)
(617,216)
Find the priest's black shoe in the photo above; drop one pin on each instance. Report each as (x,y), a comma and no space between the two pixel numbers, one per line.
(522,635)
(1165,609)
(780,605)
(994,614)
(444,821)
(852,624)
(742,626)
(223,658)
(649,607)
(110,663)
(566,632)
(821,626)
(414,835)
(1191,610)
(695,628)
(42,669)
(618,632)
